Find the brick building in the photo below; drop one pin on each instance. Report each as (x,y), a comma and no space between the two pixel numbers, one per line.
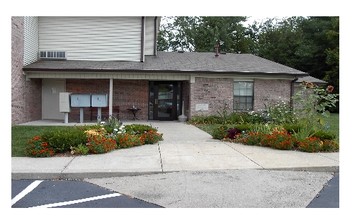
(117,56)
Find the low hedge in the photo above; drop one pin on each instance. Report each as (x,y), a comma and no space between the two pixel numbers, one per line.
(90,139)
(62,139)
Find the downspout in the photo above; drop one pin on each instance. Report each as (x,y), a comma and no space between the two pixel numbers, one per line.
(292,91)
(155,36)
(142,49)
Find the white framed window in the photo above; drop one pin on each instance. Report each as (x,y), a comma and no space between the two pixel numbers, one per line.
(243,95)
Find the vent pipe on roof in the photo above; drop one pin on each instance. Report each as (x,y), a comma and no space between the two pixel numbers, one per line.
(216,48)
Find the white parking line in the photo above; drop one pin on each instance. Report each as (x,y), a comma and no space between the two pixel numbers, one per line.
(77,201)
(24,192)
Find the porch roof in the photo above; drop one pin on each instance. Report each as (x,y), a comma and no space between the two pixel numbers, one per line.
(174,62)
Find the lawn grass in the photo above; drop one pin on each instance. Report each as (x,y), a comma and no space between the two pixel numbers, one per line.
(333,121)
(20,135)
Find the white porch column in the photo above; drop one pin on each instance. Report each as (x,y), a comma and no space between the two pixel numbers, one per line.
(110,96)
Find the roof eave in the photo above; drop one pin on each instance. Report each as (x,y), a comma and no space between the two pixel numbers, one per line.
(26,69)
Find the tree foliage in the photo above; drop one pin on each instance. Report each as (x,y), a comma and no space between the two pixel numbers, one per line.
(200,34)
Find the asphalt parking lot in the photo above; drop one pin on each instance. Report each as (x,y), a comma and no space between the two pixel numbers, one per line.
(69,194)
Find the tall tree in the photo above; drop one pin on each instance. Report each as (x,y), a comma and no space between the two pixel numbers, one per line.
(202,33)
(309,44)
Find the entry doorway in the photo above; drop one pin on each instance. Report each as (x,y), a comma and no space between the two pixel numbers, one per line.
(164,100)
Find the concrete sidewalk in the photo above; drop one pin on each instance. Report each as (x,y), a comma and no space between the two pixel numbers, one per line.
(184,148)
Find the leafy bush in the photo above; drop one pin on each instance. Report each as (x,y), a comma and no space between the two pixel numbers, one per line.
(129,140)
(311,144)
(292,127)
(324,135)
(250,138)
(80,150)
(151,137)
(37,147)
(98,144)
(330,146)
(232,118)
(112,125)
(62,139)
(220,132)
(232,133)
(138,129)
(244,127)
(280,112)
(281,140)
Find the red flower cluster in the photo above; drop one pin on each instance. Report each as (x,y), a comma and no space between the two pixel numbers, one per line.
(281,140)
(129,140)
(98,144)
(39,148)
(311,144)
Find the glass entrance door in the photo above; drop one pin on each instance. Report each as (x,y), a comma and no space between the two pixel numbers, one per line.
(164,101)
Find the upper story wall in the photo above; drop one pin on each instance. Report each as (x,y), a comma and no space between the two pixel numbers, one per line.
(151,31)
(30,40)
(93,38)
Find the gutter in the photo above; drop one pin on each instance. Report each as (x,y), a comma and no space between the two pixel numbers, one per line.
(292,92)
(155,36)
(142,48)
(163,71)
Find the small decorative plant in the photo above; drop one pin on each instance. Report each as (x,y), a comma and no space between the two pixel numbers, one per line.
(37,147)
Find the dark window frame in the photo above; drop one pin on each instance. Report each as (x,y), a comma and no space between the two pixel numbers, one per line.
(235,97)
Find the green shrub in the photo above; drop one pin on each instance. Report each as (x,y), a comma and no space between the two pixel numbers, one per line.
(138,129)
(324,135)
(81,149)
(151,137)
(220,132)
(62,139)
(250,138)
(281,140)
(207,120)
(37,147)
(98,144)
(292,128)
(244,127)
(330,146)
(112,125)
(129,140)
(311,144)
(280,112)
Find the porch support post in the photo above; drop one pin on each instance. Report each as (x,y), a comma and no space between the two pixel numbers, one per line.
(110,96)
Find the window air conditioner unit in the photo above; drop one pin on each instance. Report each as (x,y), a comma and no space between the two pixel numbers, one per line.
(56,55)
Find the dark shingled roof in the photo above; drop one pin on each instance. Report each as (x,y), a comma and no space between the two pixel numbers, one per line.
(310,79)
(174,62)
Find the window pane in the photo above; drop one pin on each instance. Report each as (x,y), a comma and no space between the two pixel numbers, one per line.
(249,99)
(243,96)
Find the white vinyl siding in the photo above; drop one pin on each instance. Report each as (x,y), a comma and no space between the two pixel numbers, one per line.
(149,35)
(30,40)
(92,38)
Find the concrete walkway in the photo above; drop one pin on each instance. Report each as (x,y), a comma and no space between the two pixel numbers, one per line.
(184,148)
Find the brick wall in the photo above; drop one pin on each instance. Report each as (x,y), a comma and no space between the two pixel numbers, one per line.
(126,93)
(25,95)
(216,93)
(131,92)
(269,91)
(186,97)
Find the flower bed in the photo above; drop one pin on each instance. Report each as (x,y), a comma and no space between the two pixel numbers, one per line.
(281,139)
(97,139)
